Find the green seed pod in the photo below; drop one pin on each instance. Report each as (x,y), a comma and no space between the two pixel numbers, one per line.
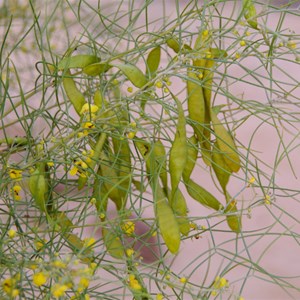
(250,13)
(220,167)
(133,73)
(39,187)
(113,243)
(196,103)
(98,99)
(178,152)
(96,68)
(75,96)
(153,61)
(192,154)
(161,161)
(173,44)
(111,183)
(77,61)
(202,196)
(179,206)
(166,221)
(234,220)
(123,166)
(226,144)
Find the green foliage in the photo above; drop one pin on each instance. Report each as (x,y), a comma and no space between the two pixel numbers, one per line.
(114,120)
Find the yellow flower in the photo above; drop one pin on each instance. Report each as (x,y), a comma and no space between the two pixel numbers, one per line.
(133,283)
(11,233)
(59,264)
(58,290)
(159,84)
(129,252)
(267,200)
(183,280)
(89,242)
(88,125)
(131,134)
(40,244)
(89,108)
(129,89)
(87,155)
(220,282)
(39,279)
(128,228)
(8,286)
(159,297)
(50,163)
(15,174)
(78,168)
(83,283)
(242,43)
(292,44)
(16,192)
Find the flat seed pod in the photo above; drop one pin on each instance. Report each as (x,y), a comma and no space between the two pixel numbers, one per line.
(113,243)
(133,73)
(173,44)
(96,68)
(98,99)
(192,154)
(161,161)
(250,13)
(167,222)
(39,188)
(65,229)
(179,206)
(77,61)
(220,167)
(111,183)
(196,103)
(178,152)
(226,144)
(153,61)
(75,96)
(123,166)
(202,196)
(234,220)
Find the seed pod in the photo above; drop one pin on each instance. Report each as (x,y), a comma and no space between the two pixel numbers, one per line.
(39,188)
(111,183)
(166,221)
(179,206)
(192,154)
(63,225)
(173,44)
(234,220)
(178,152)
(250,13)
(98,99)
(101,196)
(196,103)
(161,162)
(164,214)
(73,93)
(133,73)
(220,167)
(123,166)
(153,61)
(226,144)
(77,61)
(202,195)
(96,68)
(113,243)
